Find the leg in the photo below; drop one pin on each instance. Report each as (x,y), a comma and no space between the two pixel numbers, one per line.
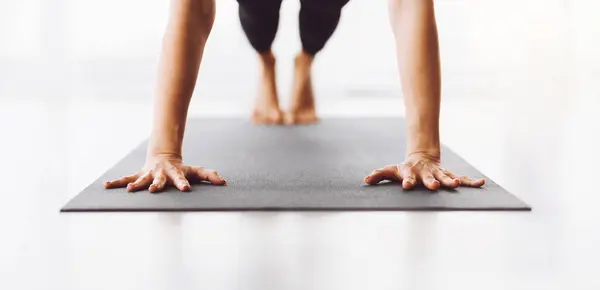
(318,20)
(260,20)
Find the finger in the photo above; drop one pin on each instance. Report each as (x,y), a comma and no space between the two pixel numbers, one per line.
(209,175)
(141,183)
(465,180)
(178,179)
(387,173)
(428,180)
(409,178)
(159,183)
(121,182)
(215,178)
(446,180)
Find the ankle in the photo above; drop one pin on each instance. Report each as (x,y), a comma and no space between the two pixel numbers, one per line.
(303,59)
(267,59)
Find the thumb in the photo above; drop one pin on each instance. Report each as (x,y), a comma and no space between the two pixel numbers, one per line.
(389,172)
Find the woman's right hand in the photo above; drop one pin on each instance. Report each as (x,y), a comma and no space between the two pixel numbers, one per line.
(165,169)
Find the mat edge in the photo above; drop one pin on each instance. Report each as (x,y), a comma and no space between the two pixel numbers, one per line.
(348,209)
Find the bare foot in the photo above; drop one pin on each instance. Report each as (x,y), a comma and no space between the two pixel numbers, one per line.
(302,109)
(266,107)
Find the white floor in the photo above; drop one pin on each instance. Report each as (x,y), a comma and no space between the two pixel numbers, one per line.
(521,102)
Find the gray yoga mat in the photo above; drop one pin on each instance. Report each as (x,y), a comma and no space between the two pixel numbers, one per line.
(315,167)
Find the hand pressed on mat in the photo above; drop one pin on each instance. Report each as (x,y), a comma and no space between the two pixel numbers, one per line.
(162,170)
(420,168)
(188,29)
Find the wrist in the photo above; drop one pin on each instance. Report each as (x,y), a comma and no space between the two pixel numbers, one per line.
(425,142)
(164,146)
(429,145)
(166,137)
(160,152)
(430,153)
(431,149)
(423,136)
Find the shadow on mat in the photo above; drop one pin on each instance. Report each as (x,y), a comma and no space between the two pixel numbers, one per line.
(417,190)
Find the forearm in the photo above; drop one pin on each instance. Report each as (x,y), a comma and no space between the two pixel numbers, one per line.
(183,46)
(415,32)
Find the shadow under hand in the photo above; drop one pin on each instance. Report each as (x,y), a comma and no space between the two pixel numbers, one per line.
(418,189)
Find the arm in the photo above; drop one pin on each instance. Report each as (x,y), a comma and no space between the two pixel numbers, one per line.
(189,26)
(415,31)
(183,46)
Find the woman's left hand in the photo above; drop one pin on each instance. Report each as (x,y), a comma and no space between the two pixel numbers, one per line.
(421,168)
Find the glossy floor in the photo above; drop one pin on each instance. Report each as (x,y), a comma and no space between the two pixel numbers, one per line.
(521,103)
